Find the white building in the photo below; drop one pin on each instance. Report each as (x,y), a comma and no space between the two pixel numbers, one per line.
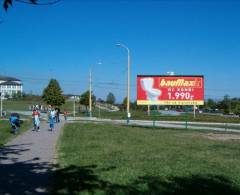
(10,86)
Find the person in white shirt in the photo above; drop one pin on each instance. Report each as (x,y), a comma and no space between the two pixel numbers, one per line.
(52,118)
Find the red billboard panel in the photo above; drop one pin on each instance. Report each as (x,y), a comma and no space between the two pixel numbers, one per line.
(170,90)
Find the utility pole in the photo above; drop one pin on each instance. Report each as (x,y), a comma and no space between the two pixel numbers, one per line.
(74,107)
(1,104)
(90,93)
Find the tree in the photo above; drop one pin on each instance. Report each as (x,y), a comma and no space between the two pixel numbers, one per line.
(225,104)
(52,94)
(211,104)
(110,98)
(234,103)
(134,105)
(84,100)
(7,3)
(237,109)
(124,103)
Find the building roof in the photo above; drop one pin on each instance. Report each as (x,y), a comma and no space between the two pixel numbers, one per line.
(6,78)
(10,83)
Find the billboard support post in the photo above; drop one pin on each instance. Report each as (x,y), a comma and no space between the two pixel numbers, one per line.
(186,118)
(194,111)
(148,111)
(154,117)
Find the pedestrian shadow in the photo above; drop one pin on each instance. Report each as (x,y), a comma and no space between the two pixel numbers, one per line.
(87,179)
(25,177)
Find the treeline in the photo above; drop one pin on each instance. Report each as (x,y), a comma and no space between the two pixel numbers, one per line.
(227,105)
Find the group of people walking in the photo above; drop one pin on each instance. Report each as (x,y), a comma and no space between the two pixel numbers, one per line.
(53,115)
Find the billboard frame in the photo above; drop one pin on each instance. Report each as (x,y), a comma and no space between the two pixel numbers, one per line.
(171,102)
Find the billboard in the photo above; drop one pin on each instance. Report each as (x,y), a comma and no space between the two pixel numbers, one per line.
(170,90)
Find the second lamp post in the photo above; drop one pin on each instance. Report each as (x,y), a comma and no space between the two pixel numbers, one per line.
(128,80)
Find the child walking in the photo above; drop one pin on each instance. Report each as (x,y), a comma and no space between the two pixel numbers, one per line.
(36,119)
(14,122)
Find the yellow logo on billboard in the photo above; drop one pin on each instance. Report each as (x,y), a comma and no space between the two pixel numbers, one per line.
(196,83)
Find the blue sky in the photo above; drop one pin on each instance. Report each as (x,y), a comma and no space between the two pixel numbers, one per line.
(62,41)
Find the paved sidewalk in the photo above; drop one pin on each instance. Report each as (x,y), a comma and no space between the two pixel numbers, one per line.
(26,163)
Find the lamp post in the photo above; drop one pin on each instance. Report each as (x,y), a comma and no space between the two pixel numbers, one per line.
(128,80)
(1,104)
(90,93)
(74,106)
(90,90)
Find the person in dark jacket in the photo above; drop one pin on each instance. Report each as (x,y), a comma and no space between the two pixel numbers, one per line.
(57,116)
(14,122)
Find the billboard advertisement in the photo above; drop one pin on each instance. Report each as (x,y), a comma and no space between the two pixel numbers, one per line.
(170,90)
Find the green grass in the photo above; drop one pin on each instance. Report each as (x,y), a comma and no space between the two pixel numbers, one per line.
(108,159)
(18,105)
(5,130)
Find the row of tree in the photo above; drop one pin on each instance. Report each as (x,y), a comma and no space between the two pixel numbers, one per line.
(227,105)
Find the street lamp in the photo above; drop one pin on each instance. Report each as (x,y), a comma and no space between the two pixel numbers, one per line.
(74,105)
(1,105)
(128,80)
(90,93)
(171,73)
